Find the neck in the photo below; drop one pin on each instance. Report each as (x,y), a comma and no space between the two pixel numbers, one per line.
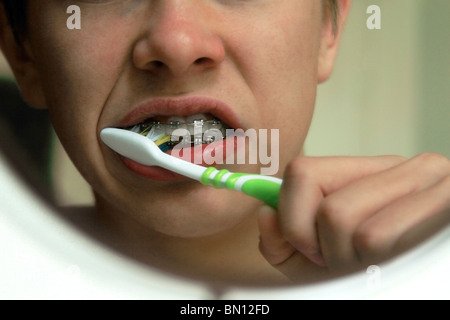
(231,257)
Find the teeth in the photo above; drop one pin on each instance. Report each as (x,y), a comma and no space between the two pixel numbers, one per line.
(213,135)
(176,119)
(196,129)
(215,125)
(196,117)
(196,126)
(173,125)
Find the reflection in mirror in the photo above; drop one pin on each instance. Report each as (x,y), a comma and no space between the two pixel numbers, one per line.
(214,236)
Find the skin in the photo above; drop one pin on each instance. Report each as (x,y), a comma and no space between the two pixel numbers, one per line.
(336,215)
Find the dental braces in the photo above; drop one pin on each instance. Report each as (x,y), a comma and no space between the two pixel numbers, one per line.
(168,135)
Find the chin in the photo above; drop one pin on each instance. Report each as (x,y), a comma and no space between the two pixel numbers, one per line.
(201,213)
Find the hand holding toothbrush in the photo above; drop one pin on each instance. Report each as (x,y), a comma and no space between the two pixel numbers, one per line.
(346,214)
(340,213)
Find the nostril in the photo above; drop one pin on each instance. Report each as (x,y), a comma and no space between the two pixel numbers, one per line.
(157,64)
(203,61)
(178,67)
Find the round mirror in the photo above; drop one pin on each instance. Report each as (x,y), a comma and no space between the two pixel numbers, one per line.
(387,95)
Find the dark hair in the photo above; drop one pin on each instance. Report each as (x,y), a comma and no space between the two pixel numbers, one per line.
(16,12)
(333,11)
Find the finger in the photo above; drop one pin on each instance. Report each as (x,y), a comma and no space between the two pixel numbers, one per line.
(298,202)
(306,182)
(281,255)
(345,210)
(404,224)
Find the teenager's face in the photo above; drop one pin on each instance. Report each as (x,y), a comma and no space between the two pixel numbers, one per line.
(254,64)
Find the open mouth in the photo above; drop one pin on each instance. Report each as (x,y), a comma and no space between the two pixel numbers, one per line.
(170,132)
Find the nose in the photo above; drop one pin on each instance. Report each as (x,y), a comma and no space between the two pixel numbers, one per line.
(179,39)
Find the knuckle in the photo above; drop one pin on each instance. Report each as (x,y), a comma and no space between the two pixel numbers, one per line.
(392,160)
(433,163)
(299,168)
(367,240)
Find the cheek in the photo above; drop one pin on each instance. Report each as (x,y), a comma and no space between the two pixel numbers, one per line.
(283,76)
(78,69)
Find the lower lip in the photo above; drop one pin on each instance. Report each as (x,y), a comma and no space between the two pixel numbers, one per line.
(195,155)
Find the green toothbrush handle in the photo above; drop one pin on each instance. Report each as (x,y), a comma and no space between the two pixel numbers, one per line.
(264,188)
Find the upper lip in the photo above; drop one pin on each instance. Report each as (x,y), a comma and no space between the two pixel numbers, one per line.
(181,107)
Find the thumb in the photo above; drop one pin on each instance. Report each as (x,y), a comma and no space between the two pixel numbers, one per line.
(272,245)
(281,254)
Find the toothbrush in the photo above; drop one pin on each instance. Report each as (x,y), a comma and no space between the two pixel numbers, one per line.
(144,151)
